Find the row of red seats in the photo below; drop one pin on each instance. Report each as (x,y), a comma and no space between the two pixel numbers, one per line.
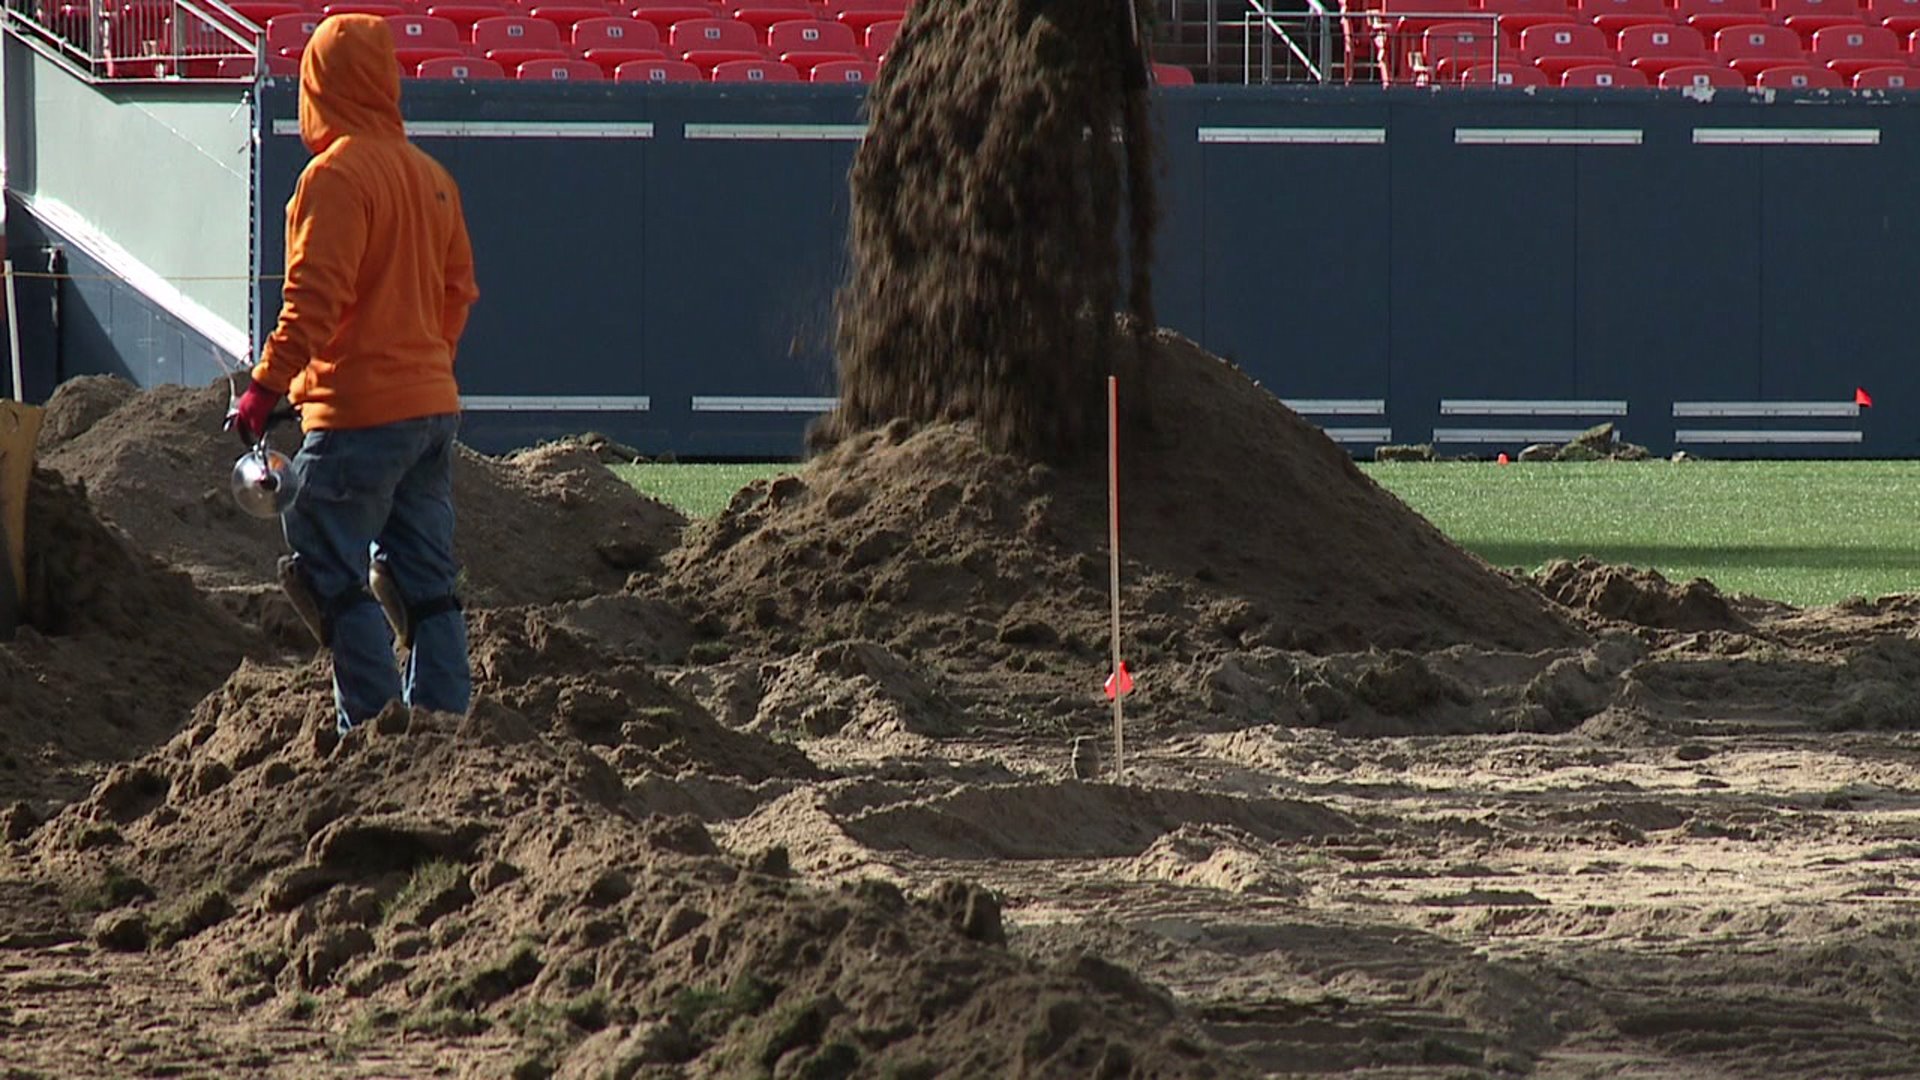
(1845,51)
(856,15)
(1707,16)
(1691,76)
(604,40)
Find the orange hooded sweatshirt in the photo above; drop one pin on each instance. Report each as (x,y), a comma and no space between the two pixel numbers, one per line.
(379,269)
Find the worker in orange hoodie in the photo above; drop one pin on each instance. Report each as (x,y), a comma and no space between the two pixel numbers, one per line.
(379,279)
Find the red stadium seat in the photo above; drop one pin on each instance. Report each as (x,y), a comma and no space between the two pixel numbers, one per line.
(461,68)
(423,32)
(1850,50)
(1509,73)
(862,15)
(657,71)
(282,65)
(811,35)
(1171,75)
(1396,25)
(1604,76)
(753,71)
(465,15)
(1900,16)
(1701,77)
(763,14)
(1712,16)
(1653,49)
(564,16)
(512,40)
(881,34)
(708,43)
(1752,49)
(1799,77)
(1448,49)
(1808,17)
(287,35)
(560,71)
(847,71)
(359,7)
(258,12)
(1613,16)
(1517,15)
(664,13)
(610,42)
(1555,47)
(1891,77)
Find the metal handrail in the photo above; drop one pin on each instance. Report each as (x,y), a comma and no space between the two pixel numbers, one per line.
(173,41)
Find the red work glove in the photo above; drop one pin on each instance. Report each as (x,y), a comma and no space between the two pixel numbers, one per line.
(249,415)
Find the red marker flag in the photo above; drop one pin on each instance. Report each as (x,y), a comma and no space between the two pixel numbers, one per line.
(1862,398)
(1120,682)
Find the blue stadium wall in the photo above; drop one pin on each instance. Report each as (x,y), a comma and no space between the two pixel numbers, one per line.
(1715,273)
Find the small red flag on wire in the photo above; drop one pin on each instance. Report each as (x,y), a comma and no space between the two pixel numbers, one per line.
(1862,398)
(1120,682)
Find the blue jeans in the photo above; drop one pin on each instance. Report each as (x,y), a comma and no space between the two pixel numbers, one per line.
(385,491)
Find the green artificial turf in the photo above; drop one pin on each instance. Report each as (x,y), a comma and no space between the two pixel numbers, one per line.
(1808,532)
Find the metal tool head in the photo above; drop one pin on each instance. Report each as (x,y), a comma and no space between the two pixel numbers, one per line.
(264,482)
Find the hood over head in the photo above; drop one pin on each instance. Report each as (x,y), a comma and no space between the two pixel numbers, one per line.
(349,82)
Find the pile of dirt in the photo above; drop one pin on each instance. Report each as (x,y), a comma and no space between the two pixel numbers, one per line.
(547,524)
(985,247)
(1242,526)
(1643,597)
(80,403)
(1601,442)
(116,650)
(454,875)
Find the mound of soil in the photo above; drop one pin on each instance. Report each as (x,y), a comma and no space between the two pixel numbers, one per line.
(985,245)
(453,875)
(540,526)
(116,650)
(1242,526)
(78,404)
(1644,597)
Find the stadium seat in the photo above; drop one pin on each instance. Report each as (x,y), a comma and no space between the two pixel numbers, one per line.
(258,12)
(1654,49)
(860,16)
(287,35)
(754,71)
(1701,76)
(565,16)
(1555,47)
(422,32)
(1891,77)
(1798,77)
(1613,16)
(850,71)
(465,15)
(811,35)
(1396,26)
(1515,16)
(664,13)
(234,67)
(359,7)
(707,43)
(461,68)
(513,40)
(612,41)
(1448,49)
(1850,50)
(1604,76)
(1712,16)
(1171,75)
(1809,17)
(1900,16)
(1509,73)
(764,14)
(282,66)
(657,71)
(560,71)
(880,38)
(1752,49)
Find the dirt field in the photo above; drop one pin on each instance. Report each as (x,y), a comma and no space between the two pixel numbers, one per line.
(815,788)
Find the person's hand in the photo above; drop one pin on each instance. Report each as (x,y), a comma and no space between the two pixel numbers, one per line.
(249,415)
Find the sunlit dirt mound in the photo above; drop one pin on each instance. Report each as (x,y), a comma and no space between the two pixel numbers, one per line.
(546,524)
(1242,526)
(116,650)
(458,875)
